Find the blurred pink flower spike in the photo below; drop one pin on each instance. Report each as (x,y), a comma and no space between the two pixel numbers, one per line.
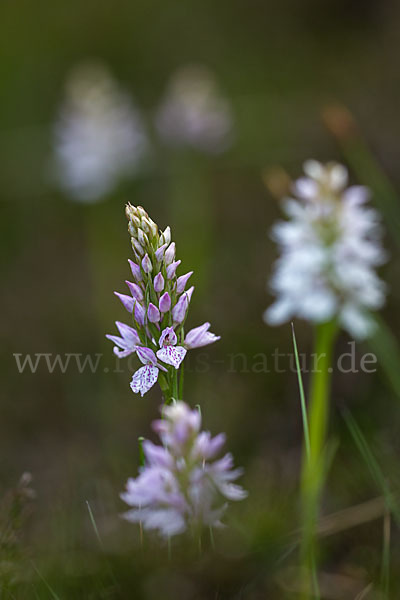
(146,376)
(200,336)
(127,342)
(169,352)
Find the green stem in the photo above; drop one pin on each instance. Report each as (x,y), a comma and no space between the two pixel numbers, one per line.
(313,471)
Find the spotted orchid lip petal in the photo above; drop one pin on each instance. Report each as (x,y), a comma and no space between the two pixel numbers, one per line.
(172,355)
(144,379)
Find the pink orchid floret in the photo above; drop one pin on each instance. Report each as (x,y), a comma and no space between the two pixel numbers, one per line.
(169,352)
(145,377)
(180,488)
(126,344)
(200,336)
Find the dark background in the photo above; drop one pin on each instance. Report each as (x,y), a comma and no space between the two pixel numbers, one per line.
(279,64)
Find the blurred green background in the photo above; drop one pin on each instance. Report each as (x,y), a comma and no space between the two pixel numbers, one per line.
(278,64)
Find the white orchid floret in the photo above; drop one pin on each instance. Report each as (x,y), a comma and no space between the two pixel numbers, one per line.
(330,248)
(99,136)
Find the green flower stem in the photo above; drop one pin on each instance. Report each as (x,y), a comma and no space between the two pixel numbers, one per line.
(313,471)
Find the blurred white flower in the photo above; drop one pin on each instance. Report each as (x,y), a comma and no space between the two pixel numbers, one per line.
(330,246)
(99,135)
(194,113)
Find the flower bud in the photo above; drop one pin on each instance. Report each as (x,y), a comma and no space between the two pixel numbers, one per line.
(127,301)
(153,314)
(137,247)
(139,313)
(171,269)
(180,309)
(136,272)
(153,228)
(145,225)
(135,290)
(165,303)
(142,238)
(160,252)
(146,264)
(169,254)
(182,281)
(165,237)
(158,283)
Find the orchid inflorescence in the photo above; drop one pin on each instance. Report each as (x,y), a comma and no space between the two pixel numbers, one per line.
(181,487)
(158,303)
(330,246)
(178,487)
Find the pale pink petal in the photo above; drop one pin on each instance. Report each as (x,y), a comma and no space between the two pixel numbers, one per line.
(144,379)
(172,355)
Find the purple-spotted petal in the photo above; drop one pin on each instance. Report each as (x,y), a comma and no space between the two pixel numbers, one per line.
(172,355)
(144,379)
